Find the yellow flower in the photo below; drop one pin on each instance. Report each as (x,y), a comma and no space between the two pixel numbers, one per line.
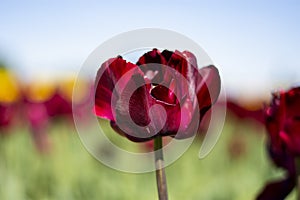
(40,91)
(9,90)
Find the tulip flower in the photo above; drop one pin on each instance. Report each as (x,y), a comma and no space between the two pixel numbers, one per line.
(163,94)
(38,121)
(6,115)
(204,83)
(36,112)
(58,106)
(283,120)
(283,126)
(45,102)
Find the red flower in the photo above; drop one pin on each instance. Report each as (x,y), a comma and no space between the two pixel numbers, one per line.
(148,99)
(6,114)
(242,112)
(283,126)
(58,106)
(283,121)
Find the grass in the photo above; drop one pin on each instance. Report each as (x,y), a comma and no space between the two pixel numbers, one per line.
(237,168)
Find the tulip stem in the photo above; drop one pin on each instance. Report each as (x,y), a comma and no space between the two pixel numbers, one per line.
(160,171)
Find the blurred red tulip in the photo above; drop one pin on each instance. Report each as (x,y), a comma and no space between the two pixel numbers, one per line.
(6,115)
(42,103)
(58,106)
(38,121)
(283,121)
(283,126)
(242,112)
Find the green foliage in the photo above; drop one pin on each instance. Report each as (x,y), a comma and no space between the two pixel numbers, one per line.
(70,172)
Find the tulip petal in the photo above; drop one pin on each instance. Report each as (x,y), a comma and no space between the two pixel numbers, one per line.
(277,190)
(207,88)
(137,103)
(177,61)
(282,120)
(108,75)
(132,111)
(163,94)
(153,56)
(154,70)
(57,105)
(181,120)
(292,99)
(281,158)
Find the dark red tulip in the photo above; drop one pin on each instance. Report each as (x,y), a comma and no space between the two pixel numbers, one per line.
(58,106)
(127,93)
(38,120)
(41,110)
(5,115)
(283,126)
(283,121)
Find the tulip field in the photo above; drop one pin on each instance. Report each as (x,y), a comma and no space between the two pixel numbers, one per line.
(158,100)
(237,168)
(45,127)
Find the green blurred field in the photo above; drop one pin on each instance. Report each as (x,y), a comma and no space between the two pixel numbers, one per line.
(69,172)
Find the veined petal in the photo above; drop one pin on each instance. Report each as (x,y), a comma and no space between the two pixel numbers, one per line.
(177,61)
(132,110)
(107,77)
(208,87)
(180,117)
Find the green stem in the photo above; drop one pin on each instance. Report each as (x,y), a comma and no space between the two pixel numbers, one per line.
(160,171)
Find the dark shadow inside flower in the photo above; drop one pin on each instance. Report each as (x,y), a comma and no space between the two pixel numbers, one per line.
(165,97)
(296,118)
(152,72)
(163,94)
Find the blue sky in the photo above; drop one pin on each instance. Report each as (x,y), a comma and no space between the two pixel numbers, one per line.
(255,44)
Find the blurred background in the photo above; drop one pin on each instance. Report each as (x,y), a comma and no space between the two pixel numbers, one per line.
(43,44)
